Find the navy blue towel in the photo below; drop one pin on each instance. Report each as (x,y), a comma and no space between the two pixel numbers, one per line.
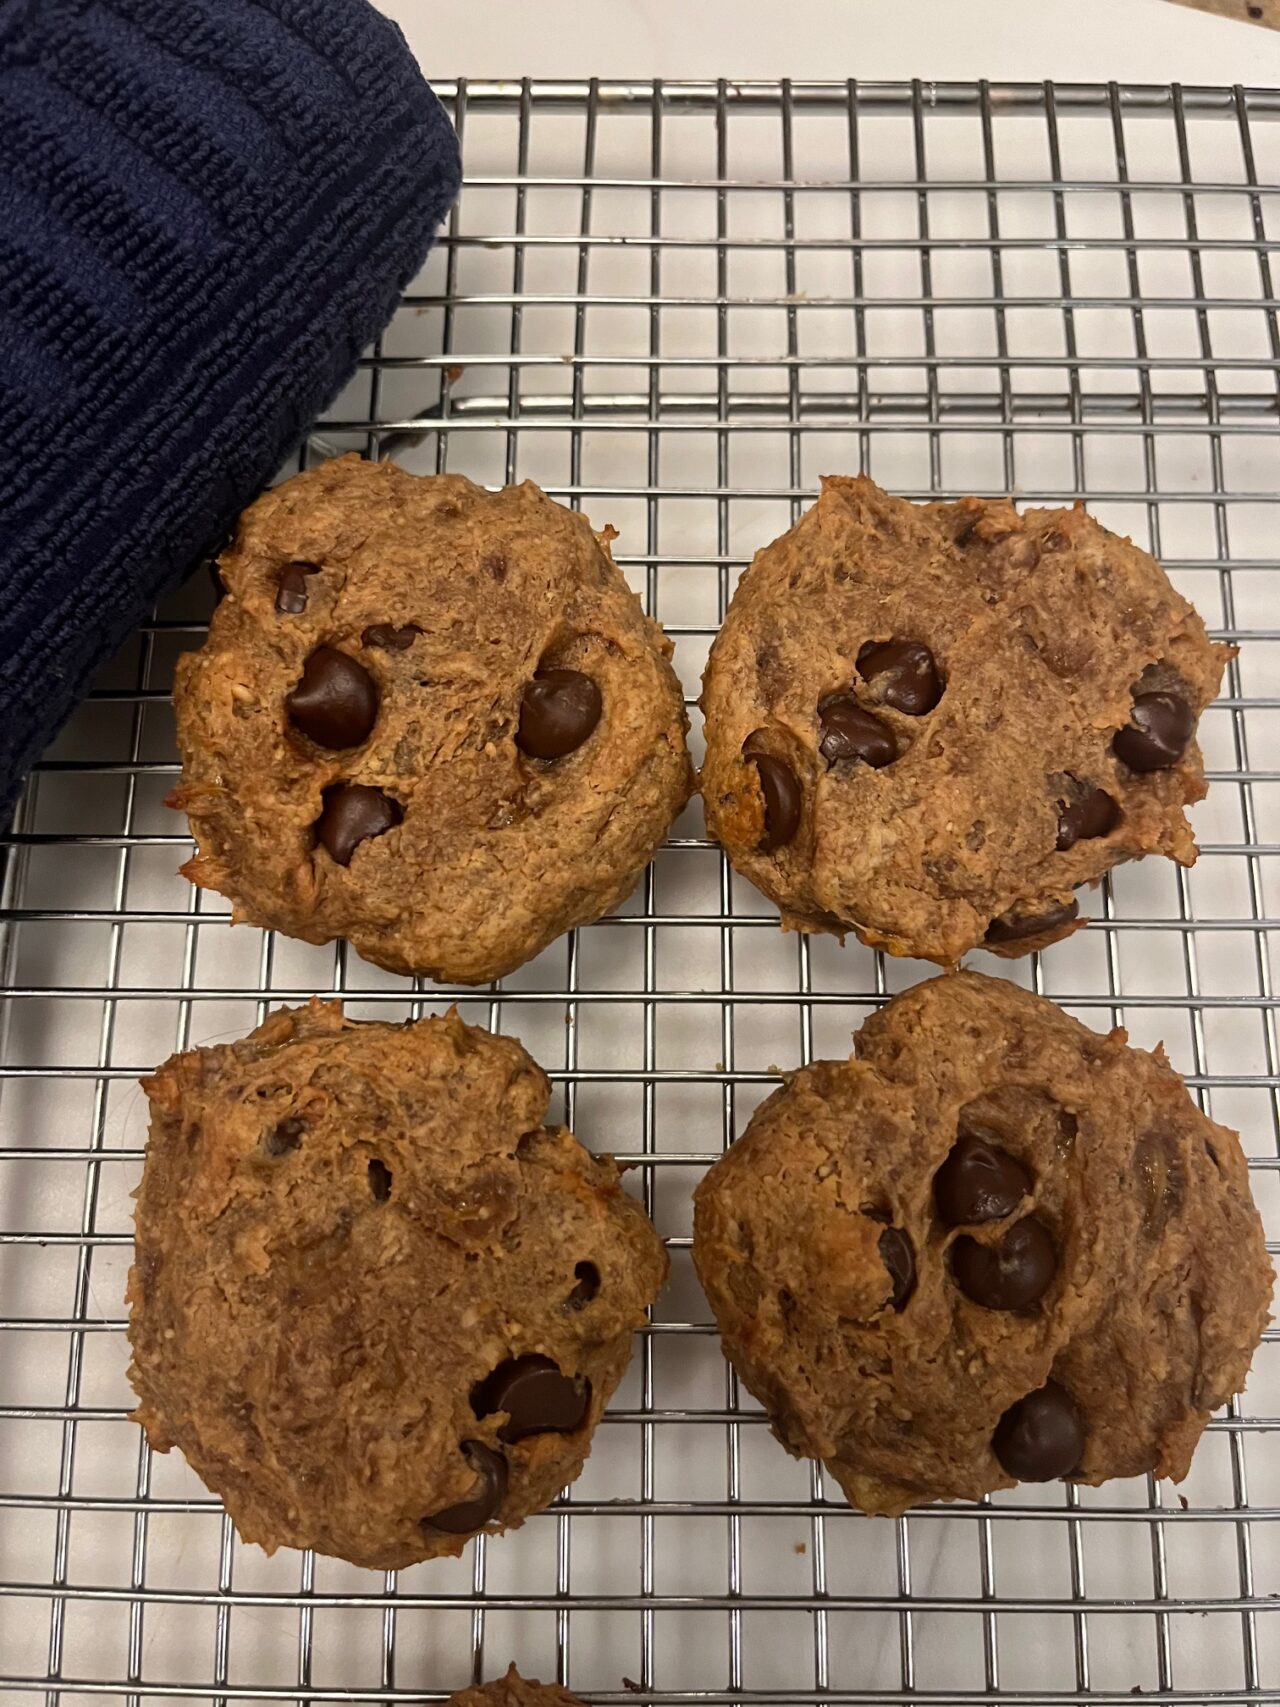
(207,209)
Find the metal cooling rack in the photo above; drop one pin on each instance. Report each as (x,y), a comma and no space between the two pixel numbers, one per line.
(677,306)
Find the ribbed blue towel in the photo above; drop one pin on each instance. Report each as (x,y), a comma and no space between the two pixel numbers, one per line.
(207,208)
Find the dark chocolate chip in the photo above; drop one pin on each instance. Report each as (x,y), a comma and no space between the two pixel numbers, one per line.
(336,702)
(537,1398)
(781,789)
(587,1276)
(1020,926)
(291,587)
(1096,814)
(1041,1437)
(1160,726)
(903,673)
(352,813)
(379,1181)
(390,638)
(558,710)
(898,1257)
(849,732)
(481,1506)
(286,1136)
(978,1182)
(1011,1274)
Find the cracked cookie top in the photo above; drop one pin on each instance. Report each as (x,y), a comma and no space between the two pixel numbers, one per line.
(992,1246)
(429,718)
(930,724)
(375,1301)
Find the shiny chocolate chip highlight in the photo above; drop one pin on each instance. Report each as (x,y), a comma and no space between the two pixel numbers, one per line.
(559,709)
(901,674)
(537,1398)
(781,790)
(849,732)
(1041,1437)
(1095,814)
(1158,732)
(353,813)
(978,1182)
(481,1506)
(291,587)
(335,704)
(1012,1273)
(1021,927)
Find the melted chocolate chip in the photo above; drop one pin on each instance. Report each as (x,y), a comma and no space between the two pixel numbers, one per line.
(558,710)
(1041,1437)
(978,1182)
(781,790)
(291,587)
(849,732)
(286,1136)
(1012,1274)
(352,814)
(898,1257)
(336,702)
(481,1506)
(537,1398)
(379,1181)
(390,638)
(1020,927)
(1096,814)
(587,1276)
(903,674)
(1159,729)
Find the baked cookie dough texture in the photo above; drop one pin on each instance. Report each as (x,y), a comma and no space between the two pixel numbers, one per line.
(931,724)
(515,1691)
(428,718)
(992,1246)
(375,1301)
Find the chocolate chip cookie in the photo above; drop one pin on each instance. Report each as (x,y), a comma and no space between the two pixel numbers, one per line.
(930,724)
(428,718)
(378,1305)
(992,1246)
(515,1691)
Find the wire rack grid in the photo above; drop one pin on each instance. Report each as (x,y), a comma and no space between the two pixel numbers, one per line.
(676,306)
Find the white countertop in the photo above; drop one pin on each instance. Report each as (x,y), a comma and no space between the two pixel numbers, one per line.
(1144,41)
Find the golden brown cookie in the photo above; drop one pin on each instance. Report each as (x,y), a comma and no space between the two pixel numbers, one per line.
(515,1691)
(378,1305)
(930,724)
(428,718)
(992,1246)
